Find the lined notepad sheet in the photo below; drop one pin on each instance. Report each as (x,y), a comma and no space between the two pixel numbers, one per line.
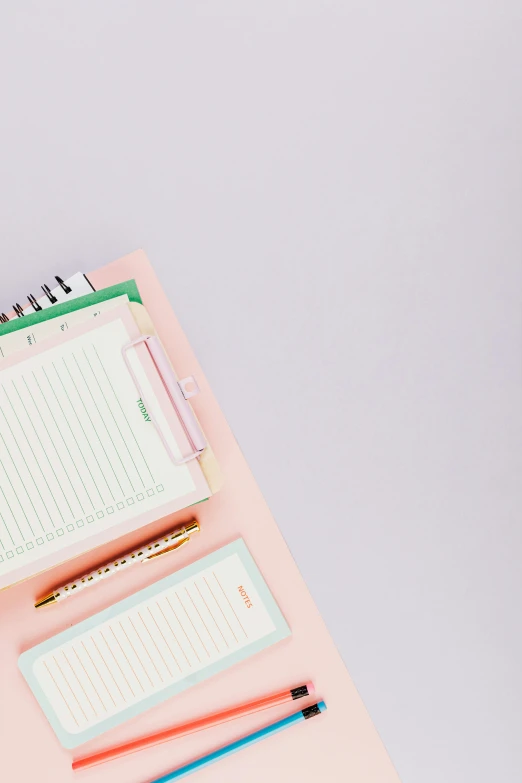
(78,452)
(154,644)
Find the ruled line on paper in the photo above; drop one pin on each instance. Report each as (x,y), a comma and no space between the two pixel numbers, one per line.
(184,630)
(221,610)
(111,413)
(124,415)
(228,601)
(76,454)
(154,644)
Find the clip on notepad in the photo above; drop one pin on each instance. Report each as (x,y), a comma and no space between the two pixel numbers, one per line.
(178,391)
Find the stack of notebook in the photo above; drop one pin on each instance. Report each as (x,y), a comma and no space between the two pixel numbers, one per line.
(97,440)
(96,435)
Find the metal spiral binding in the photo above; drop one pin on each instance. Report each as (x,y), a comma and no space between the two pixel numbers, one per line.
(19,310)
(49,294)
(34,303)
(67,289)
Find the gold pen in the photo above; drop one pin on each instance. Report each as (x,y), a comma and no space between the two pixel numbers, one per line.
(167,543)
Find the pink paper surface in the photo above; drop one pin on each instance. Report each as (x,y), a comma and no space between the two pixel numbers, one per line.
(337,747)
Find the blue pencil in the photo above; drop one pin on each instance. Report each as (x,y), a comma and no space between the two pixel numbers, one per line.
(250,739)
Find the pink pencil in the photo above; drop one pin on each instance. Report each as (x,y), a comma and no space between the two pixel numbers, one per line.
(215,718)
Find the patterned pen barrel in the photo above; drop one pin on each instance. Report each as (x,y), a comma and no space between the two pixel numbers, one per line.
(169,542)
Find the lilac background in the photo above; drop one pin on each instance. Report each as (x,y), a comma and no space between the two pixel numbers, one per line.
(331,193)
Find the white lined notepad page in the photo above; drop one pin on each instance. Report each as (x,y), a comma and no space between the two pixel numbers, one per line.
(176,634)
(77,451)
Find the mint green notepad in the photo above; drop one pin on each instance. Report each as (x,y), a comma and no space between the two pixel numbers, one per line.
(147,648)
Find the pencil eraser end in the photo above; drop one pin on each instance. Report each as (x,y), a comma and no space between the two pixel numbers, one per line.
(310,688)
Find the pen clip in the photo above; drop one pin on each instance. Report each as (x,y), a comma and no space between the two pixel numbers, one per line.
(166,551)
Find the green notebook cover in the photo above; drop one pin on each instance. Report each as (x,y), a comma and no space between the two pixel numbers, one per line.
(129,287)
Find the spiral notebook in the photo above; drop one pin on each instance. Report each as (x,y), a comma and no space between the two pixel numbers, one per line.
(77,285)
(91,446)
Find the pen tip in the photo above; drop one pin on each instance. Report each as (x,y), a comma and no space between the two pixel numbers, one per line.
(50,599)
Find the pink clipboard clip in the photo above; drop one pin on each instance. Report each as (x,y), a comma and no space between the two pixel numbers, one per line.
(178,391)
